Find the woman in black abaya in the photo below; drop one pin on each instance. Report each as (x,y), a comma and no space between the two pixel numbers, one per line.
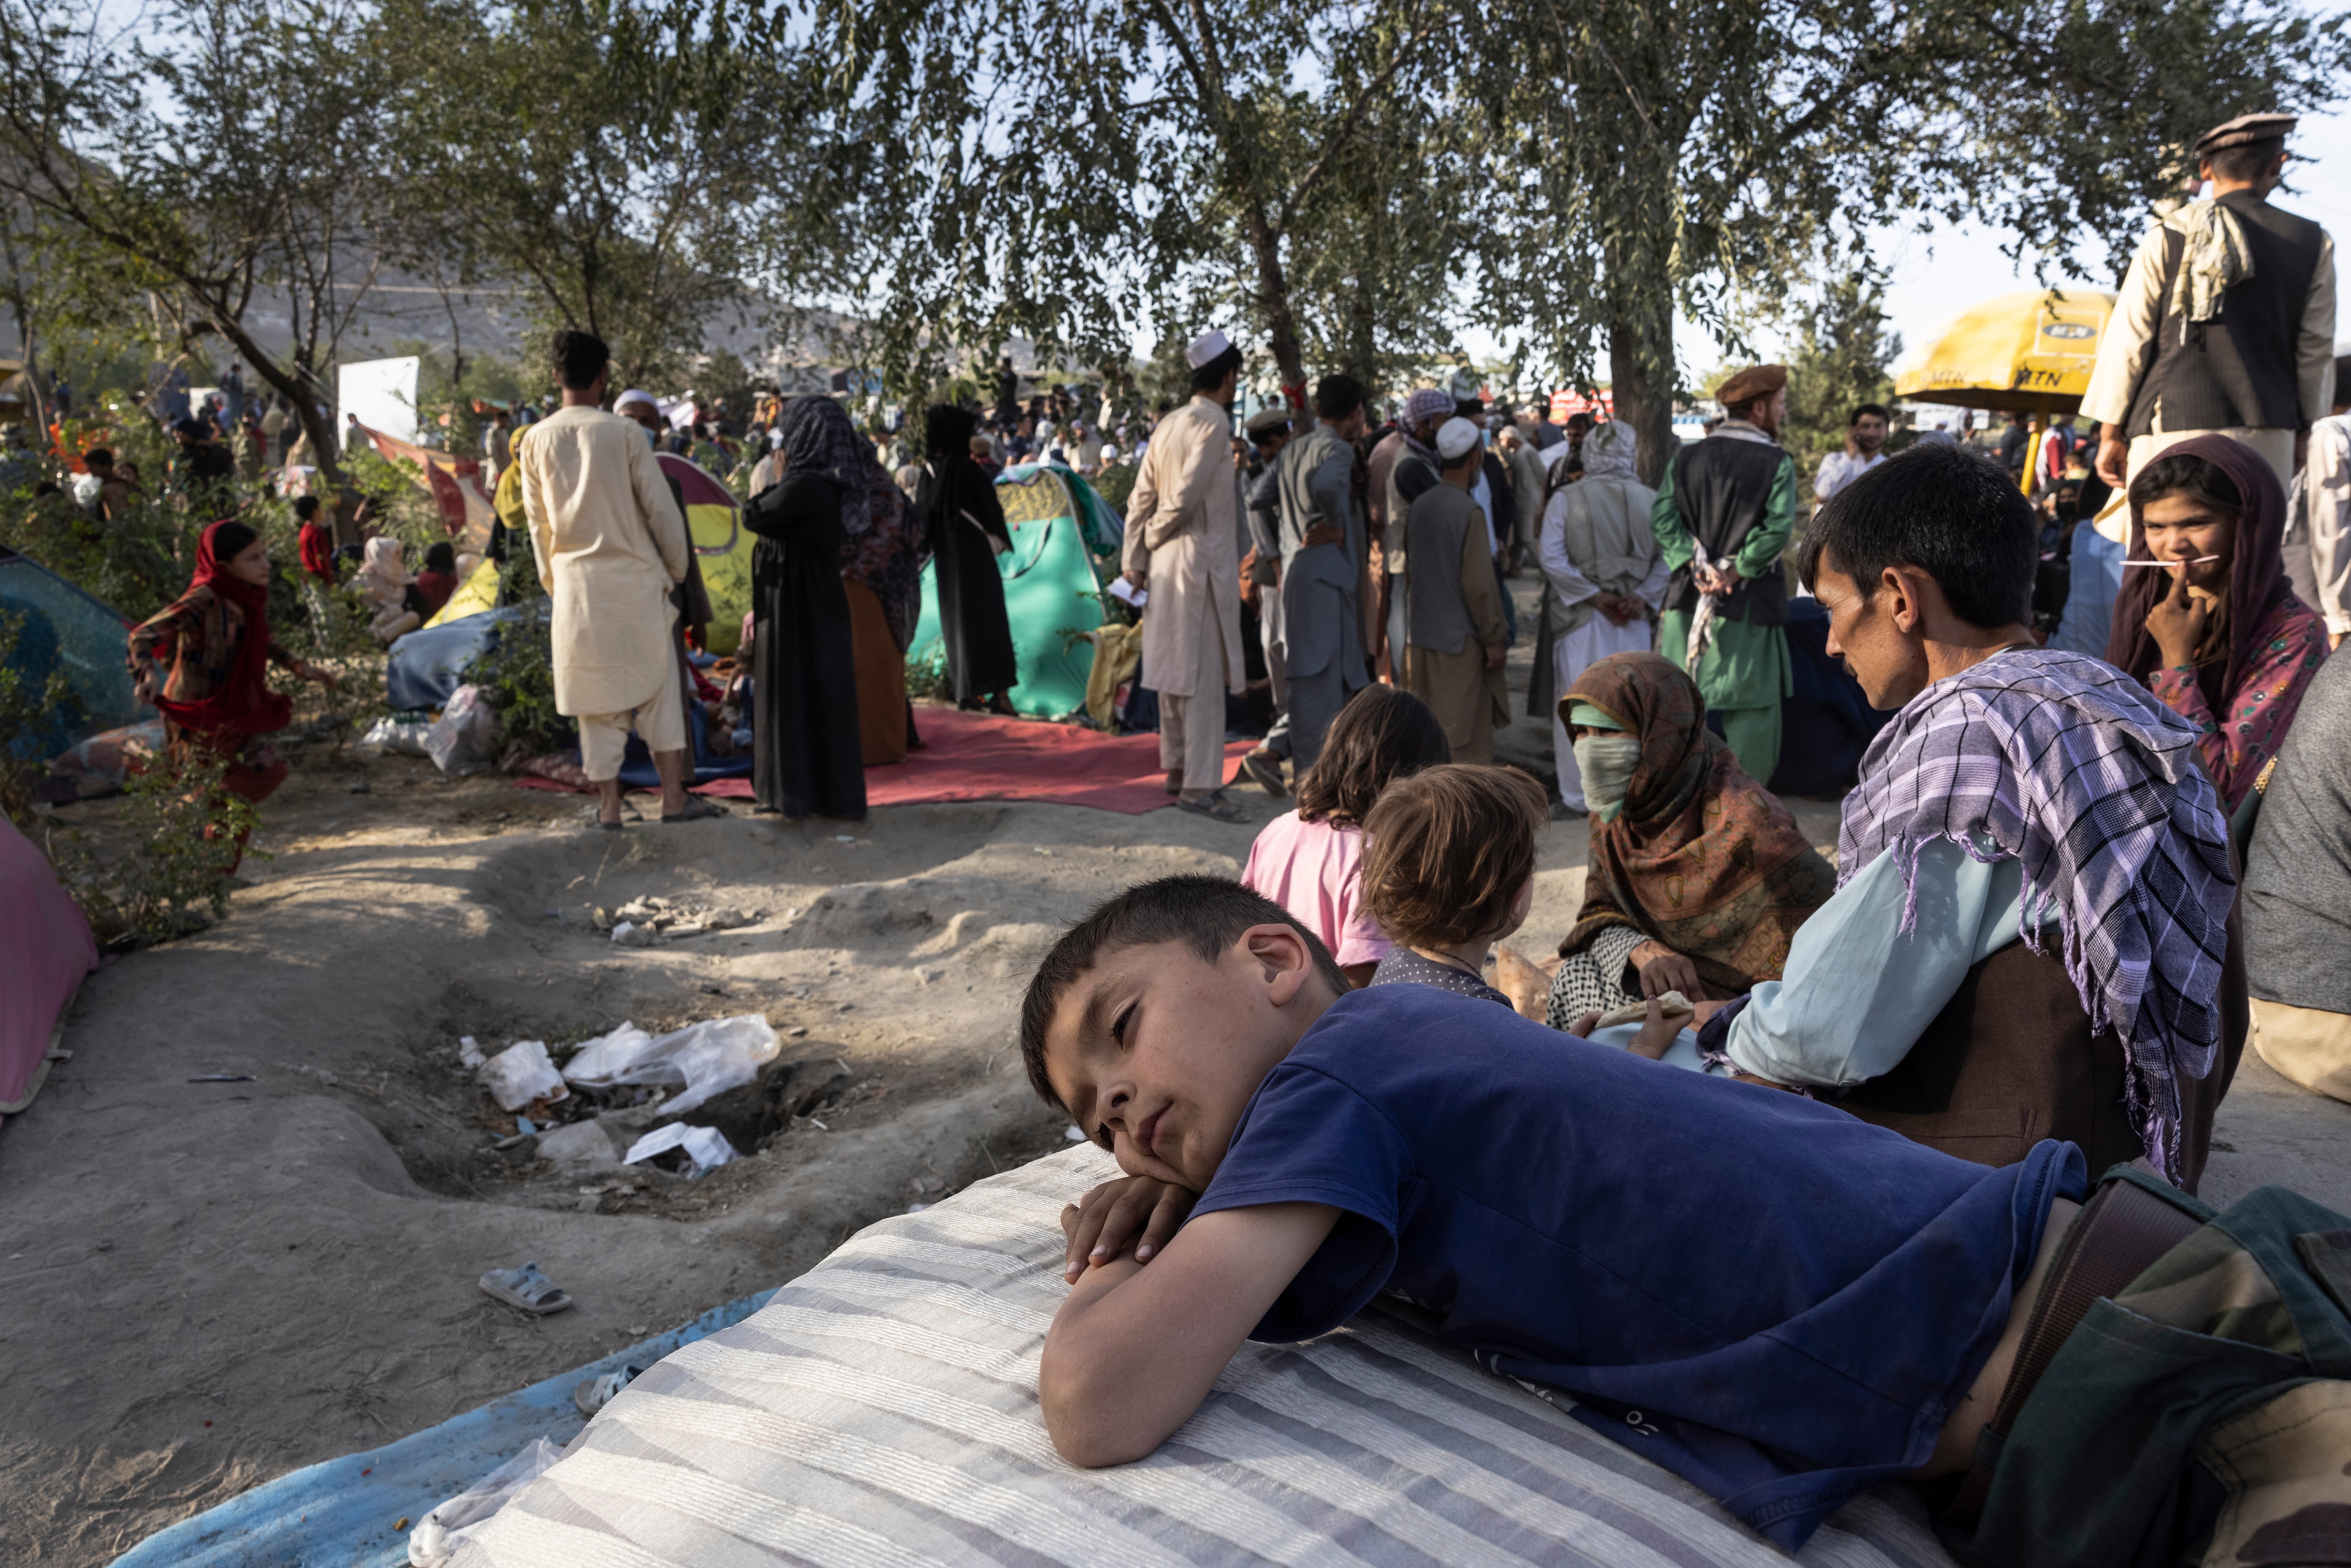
(957,503)
(807,754)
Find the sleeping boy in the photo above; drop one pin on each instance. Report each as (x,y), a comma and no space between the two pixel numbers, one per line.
(1780,1303)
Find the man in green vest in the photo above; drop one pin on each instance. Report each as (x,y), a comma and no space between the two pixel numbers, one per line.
(1723,513)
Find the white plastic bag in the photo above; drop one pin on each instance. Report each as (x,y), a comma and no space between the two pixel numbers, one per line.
(707,1058)
(593,1065)
(401,735)
(707,1146)
(465,738)
(434,1542)
(522,1074)
(577,1148)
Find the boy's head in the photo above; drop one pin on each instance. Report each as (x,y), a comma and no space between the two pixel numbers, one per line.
(1452,855)
(1155,1017)
(305,508)
(1937,544)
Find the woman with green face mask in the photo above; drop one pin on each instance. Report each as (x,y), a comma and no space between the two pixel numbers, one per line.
(1697,876)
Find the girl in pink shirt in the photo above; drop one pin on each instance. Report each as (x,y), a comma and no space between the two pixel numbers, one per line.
(1310,860)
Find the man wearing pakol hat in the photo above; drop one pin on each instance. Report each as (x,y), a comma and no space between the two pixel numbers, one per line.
(1457,639)
(2226,320)
(1182,522)
(1723,513)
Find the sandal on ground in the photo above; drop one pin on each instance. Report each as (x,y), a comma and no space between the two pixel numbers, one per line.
(1001,707)
(526,1288)
(695,811)
(597,1392)
(1215,806)
(1265,767)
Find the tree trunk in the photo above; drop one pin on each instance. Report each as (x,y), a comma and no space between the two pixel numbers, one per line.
(1640,370)
(317,424)
(1280,321)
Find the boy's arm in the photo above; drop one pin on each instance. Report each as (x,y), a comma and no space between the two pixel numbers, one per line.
(1134,1350)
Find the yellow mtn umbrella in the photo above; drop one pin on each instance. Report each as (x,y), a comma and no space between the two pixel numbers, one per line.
(2027,353)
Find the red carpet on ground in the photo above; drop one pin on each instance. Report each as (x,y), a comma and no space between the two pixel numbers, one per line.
(980,757)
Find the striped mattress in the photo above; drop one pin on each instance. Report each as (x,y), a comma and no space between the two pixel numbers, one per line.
(881,1409)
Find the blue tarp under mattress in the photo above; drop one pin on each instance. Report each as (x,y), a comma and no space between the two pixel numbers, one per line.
(331,1515)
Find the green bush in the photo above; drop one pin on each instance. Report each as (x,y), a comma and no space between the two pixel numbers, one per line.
(184,829)
(516,672)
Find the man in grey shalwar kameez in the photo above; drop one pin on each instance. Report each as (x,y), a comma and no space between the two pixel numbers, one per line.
(1317,628)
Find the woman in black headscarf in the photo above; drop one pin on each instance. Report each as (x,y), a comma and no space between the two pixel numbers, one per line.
(957,503)
(806,752)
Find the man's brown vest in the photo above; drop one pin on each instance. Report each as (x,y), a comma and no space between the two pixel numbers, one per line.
(2011,1060)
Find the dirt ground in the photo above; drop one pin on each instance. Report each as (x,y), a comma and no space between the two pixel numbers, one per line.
(205,1285)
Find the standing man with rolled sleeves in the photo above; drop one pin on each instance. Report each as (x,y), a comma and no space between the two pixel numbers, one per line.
(1183,523)
(2226,320)
(1724,510)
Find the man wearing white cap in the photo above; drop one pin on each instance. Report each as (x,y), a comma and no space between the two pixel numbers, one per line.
(1457,636)
(2225,324)
(1183,525)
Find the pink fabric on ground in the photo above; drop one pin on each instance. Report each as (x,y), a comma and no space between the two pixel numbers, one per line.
(983,757)
(1315,870)
(46,948)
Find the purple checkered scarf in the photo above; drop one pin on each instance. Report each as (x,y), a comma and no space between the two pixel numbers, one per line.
(2072,768)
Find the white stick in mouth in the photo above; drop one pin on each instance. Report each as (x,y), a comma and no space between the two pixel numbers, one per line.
(2199,560)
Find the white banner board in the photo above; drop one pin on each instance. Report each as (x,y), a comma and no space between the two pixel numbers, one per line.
(383,393)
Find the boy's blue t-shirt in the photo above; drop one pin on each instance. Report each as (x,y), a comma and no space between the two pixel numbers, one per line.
(1773,1300)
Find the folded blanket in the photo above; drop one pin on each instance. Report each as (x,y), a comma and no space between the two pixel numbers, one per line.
(882,1409)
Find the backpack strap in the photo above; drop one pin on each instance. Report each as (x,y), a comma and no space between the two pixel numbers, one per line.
(2120,1233)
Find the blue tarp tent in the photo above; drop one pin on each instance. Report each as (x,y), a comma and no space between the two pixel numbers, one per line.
(66,630)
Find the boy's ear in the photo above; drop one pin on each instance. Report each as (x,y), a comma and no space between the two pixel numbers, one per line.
(1280,956)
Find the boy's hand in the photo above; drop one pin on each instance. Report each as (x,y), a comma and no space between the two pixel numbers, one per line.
(1585,1022)
(1100,1224)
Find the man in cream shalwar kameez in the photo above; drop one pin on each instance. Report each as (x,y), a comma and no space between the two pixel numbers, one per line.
(1182,522)
(610,548)
(1600,561)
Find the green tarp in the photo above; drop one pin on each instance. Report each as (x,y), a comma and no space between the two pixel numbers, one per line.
(1051,586)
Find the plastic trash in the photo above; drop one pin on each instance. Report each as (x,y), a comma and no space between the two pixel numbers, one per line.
(628,934)
(465,738)
(394,733)
(707,1146)
(434,1542)
(708,1058)
(469,1052)
(593,1063)
(522,1074)
(578,1147)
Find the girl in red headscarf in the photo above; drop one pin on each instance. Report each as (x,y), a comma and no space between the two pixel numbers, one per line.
(204,662)
(2213,627)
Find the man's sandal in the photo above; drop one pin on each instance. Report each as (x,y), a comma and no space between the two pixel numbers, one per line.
(1265,767)
(1215,806)
(695,811)
(528,1289)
